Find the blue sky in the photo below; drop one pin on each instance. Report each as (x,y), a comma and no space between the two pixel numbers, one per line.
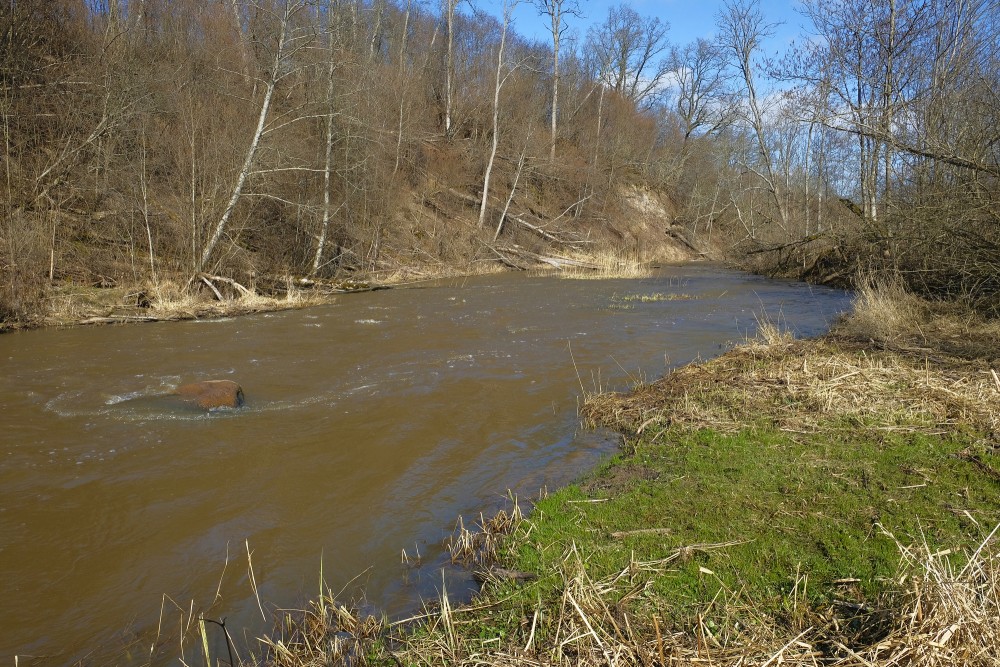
(688,19)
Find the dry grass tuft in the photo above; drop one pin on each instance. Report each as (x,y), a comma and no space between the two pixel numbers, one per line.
(326,633)
(480,546)
(890,316)
(884,310)
(609,263)
(949,616)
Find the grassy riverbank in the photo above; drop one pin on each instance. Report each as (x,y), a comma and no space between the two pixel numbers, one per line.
(828,501)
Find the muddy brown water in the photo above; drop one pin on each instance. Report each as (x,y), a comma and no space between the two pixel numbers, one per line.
(370,425)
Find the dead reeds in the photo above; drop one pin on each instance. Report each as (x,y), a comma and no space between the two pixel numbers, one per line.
(480,545)
(948,615)
(796,385)
(326,633)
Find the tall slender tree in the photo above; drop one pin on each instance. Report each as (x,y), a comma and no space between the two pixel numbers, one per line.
(557,11)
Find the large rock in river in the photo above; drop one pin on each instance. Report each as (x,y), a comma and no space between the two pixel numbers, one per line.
(210,394)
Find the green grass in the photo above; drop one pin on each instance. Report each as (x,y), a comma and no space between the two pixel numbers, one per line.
(797,508)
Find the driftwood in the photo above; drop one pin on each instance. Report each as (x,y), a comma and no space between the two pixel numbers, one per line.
(120,319)
(338,286)
(475,201)
(547,235)
(678,234)
(210,279)
(538,230)
(505,260)
(552,260)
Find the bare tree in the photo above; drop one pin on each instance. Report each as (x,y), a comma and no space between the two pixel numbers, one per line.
(630,51)
(742,29)
(501,78)
(556,10)
(331,69)
(864,63)
(704,102)
(448,8)
(276,72)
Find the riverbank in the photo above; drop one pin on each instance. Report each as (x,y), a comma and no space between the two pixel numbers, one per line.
(828,501)
(208,296)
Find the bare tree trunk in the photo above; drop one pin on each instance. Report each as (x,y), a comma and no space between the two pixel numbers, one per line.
(238,26)
(510,197)
(328,162)
(742,29)
(555,86)
(500,78)
(265,107)
(144,188)
(379,9)
(556,11)
(402,87)
(194,200)
(449,65)
(805,183)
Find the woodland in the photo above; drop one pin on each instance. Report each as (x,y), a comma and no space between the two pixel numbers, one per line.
(266,143)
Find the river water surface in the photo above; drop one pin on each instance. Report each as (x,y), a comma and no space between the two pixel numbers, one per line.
(370,425)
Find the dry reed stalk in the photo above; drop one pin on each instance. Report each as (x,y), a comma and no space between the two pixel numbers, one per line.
(611,263)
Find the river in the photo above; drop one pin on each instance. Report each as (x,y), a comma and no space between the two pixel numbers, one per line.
(370,425)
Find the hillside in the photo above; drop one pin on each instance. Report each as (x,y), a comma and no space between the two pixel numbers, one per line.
(179,150)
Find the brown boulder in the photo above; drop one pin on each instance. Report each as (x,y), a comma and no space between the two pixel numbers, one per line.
(210,394)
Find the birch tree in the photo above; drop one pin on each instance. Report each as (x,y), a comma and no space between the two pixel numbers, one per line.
(501,78)
(448,7)
(331,69)
(277,70)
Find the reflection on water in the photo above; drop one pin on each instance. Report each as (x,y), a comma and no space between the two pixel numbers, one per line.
(370,425)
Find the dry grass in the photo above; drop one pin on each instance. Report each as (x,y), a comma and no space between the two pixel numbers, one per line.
(171,302)
(885,310)
(799,385)
(166,301)
(949,614)
(480,546)
(889,316)
(327,633)
(609,263)
(654,297)
(945,614)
